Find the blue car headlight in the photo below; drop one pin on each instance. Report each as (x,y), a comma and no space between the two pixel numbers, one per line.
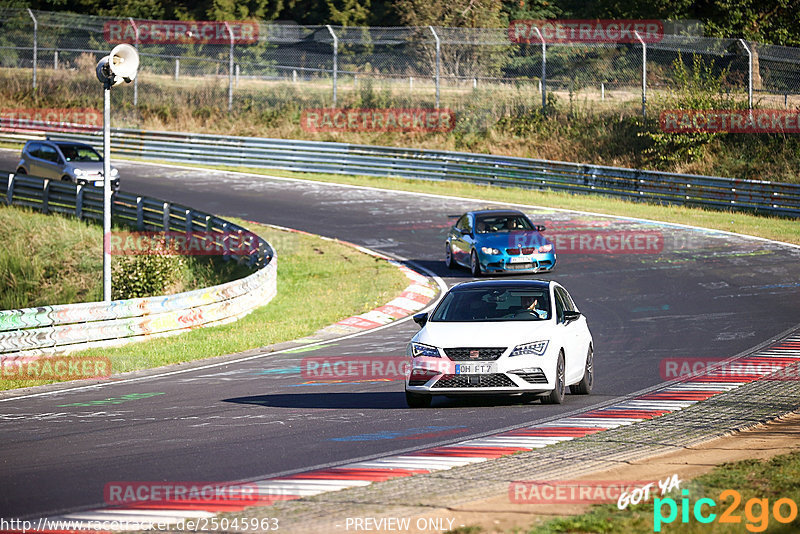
(419,349)
(536,348)
(490,250)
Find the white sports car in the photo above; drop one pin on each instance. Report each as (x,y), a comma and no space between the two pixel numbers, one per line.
(501,337)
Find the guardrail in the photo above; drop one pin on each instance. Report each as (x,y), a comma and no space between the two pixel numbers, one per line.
(65,328)
(342,158)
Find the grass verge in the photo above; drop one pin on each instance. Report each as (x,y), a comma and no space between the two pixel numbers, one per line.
(764,481)
(319,283)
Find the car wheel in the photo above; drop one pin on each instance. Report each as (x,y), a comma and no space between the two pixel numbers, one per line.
(474,264)
(557,395)
(21,171)
(448,256)
(418,400)
(584,387)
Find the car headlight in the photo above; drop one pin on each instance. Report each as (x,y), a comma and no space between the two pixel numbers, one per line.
(537,348)
(80,172)
(114,172)
(545,248)
(490,250)
(418,349)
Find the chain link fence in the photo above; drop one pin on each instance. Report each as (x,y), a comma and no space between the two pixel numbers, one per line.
(269,68)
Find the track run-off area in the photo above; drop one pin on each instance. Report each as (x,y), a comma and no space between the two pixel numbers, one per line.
(687,293)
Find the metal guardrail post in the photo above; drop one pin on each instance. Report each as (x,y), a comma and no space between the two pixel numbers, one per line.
(165,216)
(230,69)
(46,197)
(10,190)
(79,201)
(438,62)
(139,214)
(544,70)
(136,46)
(187,223)
(644,75)
(749,74)
(335,60)
(35,44)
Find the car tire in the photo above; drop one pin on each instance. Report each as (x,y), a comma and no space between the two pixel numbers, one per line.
(474,264)
(556,396)
(418,400)
(448,256)
(584,387)
(21,171)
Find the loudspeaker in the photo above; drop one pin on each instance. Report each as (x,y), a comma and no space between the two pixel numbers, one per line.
(119,66)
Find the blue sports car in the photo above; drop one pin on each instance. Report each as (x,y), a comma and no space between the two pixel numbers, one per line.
(494,241)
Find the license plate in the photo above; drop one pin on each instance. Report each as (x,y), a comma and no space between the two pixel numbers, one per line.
(521,259)
(476,368)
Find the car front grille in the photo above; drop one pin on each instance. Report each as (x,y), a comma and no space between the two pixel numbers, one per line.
(484,354)
(535,377)
(497,380)
(517,251)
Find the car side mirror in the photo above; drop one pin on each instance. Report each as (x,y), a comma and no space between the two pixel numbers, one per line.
(571,315)
(539,227)
(421,319)
(466,232)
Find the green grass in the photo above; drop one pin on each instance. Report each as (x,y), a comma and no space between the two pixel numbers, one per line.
(319,282)
(773,479)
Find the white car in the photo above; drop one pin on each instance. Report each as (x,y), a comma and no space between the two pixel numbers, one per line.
(501,337)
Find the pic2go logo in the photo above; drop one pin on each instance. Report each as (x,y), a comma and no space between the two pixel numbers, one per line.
(756,511)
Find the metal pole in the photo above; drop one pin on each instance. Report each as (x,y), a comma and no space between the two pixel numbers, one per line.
(107,192)
(749,74)
(335,60)
(543,83)
(230,69)
(438,62)
(644,75)
(136,45)
(177,67)
(35,44)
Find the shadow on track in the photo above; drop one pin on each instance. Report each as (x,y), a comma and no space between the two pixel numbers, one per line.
(374,400)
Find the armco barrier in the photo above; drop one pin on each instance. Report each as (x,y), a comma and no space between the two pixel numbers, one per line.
(341,158)
(58,329)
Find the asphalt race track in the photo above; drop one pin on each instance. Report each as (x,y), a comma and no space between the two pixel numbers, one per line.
(699,294)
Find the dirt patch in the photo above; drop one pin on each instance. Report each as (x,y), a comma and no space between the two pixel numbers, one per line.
(498,514)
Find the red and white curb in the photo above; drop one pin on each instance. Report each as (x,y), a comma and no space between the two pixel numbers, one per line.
(667,399)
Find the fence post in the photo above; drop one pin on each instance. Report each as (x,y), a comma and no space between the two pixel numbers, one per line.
(335,60)
(79,201)
(644,75)
(230,69)
(35,44)
(438,62)
(749,74)
(177,67)
(55,59)
(139,214)
(136,46)
(543,82)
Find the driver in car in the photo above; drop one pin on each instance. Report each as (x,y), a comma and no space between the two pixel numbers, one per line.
(530,305)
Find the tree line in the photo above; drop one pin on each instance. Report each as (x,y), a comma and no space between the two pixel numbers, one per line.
(766,21)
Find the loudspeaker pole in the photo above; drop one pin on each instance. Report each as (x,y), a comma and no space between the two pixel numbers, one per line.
(107,191)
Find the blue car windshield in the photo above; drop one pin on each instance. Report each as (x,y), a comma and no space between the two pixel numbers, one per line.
(502,223)
(493,304)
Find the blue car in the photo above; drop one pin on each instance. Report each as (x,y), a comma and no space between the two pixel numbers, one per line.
(496,241)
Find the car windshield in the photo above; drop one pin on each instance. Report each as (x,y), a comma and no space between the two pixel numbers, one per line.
(79,153)
(502,223)
(494,304)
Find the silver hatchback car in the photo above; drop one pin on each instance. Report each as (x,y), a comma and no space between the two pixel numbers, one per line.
(69,161)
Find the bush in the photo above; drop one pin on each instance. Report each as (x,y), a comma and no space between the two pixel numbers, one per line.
(144,275)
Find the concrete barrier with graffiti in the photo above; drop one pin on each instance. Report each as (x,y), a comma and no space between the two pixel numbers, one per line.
(65,328)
